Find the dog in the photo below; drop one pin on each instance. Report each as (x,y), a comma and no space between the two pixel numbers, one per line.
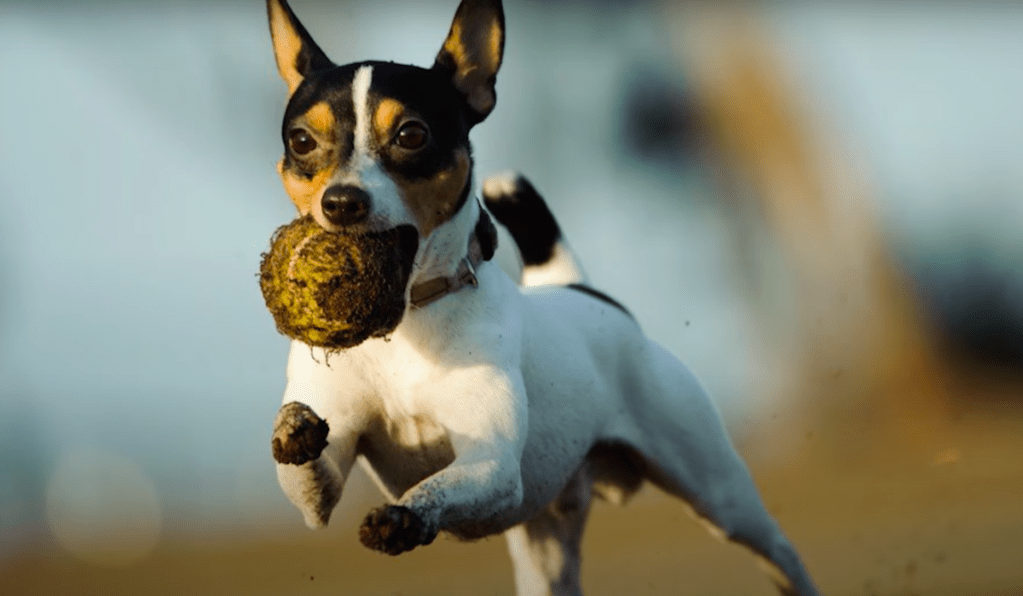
(490,408)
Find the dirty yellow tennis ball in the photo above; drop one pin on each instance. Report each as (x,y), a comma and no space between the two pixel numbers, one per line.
(334,290)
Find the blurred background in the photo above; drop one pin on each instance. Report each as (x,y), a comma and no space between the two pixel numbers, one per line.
(818,208)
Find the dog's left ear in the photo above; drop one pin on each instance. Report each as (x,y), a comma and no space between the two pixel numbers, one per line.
(472,54)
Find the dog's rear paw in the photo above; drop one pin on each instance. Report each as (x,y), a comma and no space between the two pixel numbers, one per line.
(299,434)
(394,529)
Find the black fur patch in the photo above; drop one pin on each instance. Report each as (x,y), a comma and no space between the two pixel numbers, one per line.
(334,87)
(467,189)
(600,296)
(430,95)
(530,222)
(486,234)
(425,92)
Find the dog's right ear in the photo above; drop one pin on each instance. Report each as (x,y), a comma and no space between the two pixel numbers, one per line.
(297,54)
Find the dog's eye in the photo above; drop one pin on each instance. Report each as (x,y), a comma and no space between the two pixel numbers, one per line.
(301,142)
(412,136)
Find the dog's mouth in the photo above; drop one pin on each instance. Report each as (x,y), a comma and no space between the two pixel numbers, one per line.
(335,290)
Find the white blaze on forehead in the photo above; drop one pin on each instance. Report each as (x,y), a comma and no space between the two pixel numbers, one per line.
(363,169)
(363,121)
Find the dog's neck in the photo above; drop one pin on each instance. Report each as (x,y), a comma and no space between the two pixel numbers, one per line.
(448,260)
(431,290)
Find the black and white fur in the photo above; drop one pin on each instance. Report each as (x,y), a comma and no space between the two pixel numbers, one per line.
(494,408)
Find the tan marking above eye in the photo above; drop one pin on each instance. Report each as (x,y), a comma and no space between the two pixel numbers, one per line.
(303,191)
(321,118)
(388,112)
(432,202)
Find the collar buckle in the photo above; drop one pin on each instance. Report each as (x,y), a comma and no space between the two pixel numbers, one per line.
(432,290)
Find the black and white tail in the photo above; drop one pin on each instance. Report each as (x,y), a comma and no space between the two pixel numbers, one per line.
(546,257)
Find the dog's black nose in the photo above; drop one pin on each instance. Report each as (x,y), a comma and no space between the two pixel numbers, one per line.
(345,205)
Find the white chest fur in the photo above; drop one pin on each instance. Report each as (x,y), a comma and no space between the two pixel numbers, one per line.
(385,399)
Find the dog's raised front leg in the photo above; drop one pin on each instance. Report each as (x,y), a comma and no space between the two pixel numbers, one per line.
(311,475)
(484,413)
(313,442)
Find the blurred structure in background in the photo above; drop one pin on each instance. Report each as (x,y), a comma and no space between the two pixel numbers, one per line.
(818,208)
(865,358)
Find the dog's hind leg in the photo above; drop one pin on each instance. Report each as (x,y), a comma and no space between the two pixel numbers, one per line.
(545,550)
(547,258)
(688,453)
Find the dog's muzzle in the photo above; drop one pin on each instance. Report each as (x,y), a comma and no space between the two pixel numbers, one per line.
(345,205)
(335,290)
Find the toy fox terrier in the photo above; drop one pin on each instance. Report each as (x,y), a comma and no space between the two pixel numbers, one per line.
(491,407)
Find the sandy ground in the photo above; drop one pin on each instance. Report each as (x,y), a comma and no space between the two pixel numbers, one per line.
(872,520)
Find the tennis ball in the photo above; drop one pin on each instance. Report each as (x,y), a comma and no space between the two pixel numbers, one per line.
(334,290)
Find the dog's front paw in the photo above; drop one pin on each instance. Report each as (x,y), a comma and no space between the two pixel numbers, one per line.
(299,434)
(394,529)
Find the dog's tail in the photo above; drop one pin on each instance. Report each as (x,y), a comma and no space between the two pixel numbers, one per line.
(546,257)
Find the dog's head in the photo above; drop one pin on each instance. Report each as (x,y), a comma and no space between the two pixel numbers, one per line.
(375,145)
